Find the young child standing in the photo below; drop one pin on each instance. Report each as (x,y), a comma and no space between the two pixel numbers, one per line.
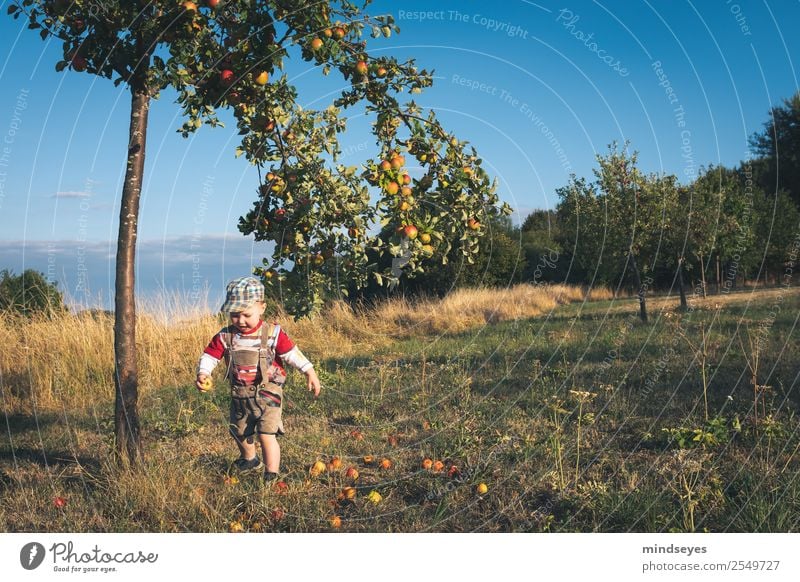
(255,353)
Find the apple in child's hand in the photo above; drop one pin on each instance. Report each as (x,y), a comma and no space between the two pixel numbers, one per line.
(205,384)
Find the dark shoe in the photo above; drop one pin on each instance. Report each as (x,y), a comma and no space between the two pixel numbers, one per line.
(269,477)
(247,465)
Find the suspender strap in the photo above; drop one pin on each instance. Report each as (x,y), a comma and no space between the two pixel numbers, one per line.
(266,354)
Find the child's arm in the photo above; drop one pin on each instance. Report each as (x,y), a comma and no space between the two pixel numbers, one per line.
(293,356)
(208,361)
(313,381)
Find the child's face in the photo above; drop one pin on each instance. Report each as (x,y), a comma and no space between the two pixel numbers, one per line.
(248,318)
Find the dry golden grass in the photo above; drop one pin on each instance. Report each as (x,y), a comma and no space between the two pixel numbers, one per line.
(68,360)
(469,308)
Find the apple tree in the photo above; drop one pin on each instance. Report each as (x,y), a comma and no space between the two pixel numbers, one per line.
(321,215)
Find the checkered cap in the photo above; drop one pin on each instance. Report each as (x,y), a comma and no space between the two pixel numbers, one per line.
(242,293)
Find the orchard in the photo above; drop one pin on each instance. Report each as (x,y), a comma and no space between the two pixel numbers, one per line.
(327,220)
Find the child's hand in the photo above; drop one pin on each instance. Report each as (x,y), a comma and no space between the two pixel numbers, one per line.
(203,383)
(313,382)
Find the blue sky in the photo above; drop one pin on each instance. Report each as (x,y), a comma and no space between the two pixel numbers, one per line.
(539,89)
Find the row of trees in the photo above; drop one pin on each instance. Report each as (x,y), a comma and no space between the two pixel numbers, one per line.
(627,229)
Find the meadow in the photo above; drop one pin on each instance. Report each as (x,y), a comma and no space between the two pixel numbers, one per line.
(576,417)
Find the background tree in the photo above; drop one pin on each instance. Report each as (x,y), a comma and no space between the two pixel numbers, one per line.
(672,241)
(777,223)
(29,293)
(777,147)
(723,225)
(582,234)
(541,243)
(318,213)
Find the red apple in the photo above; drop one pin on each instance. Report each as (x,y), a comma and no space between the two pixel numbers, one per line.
(227,76)
(79,63)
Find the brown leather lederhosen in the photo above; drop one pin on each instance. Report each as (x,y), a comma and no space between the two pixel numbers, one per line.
(256,406)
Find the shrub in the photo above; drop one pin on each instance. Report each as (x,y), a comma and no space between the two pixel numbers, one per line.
(29,293)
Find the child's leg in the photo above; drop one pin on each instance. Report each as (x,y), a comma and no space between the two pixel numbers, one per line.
(271,451)
(247,447)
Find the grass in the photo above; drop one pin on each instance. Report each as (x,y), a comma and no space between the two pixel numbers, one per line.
(577,416)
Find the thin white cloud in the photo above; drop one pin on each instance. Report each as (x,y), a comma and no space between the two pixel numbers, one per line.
(70,194)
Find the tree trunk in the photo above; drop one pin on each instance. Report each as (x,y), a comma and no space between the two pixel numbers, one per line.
(681,287)
(703,276)
(126,413)
(719,277)
(640,290)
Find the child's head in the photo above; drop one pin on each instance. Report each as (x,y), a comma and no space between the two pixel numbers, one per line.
(244,302)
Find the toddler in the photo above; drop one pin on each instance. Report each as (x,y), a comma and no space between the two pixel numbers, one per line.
(255,353)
